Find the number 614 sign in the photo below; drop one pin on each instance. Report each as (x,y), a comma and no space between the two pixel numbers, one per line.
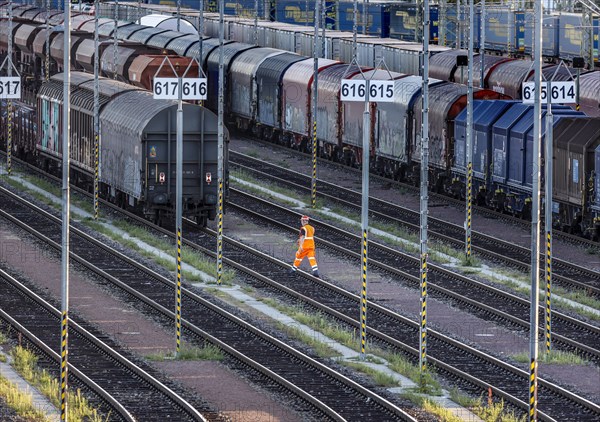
(560,92)
(10,87)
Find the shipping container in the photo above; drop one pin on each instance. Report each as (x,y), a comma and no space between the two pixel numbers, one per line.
(403,22)
(406,58)
(504,30)
(373,17)
(549,35)
(369,50)
(302,12)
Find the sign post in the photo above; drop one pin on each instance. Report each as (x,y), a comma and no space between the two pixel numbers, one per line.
(365,90)
(535,213)
(10,89)
(66,206)
(179,88)
(424,192)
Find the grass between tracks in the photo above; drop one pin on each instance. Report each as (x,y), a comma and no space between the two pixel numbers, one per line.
(188,256)
(25,363)
(164,245)
(187,352)
(552,357)
(427,385)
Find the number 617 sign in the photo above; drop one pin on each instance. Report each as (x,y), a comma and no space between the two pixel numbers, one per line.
(10,87)
(168,88)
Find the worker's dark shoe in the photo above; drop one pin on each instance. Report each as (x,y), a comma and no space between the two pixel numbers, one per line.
(316,273)
(292,271)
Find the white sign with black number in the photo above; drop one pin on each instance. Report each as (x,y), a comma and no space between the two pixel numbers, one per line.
(356,90)
(191,89)
(10,87)
(560,92)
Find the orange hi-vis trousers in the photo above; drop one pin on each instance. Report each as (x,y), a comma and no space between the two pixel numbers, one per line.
(304,253)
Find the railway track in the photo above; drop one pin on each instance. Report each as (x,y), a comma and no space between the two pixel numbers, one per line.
(569,334)
(467,366)
(474,370)
(121,388)
(565,274)
(326,392)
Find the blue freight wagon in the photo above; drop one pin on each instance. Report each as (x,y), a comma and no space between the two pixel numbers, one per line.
(373,16)
(549,35)
(242,8)
(403,22)
(571,36)
(485,113)
(302,12)
(504,30)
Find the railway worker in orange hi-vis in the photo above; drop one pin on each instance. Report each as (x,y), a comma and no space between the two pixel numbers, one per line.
(306,247)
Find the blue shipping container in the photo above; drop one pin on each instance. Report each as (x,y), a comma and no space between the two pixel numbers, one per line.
(302,12)
(375,15)
(549,35)
(403,22)
(242,8)
(504,30)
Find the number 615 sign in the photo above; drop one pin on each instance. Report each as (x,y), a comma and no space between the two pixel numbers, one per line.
(10,87)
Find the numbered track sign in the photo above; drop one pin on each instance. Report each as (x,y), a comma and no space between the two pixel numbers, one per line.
(168,88)
(10,87)
(356,89)
(561,92)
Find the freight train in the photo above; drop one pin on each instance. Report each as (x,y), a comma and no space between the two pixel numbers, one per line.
(137,133)
(507,31)
(268,92)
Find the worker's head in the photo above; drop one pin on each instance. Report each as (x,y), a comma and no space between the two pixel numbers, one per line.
(304,219)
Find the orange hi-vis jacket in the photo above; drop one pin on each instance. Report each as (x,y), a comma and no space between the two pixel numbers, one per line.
(308,232)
